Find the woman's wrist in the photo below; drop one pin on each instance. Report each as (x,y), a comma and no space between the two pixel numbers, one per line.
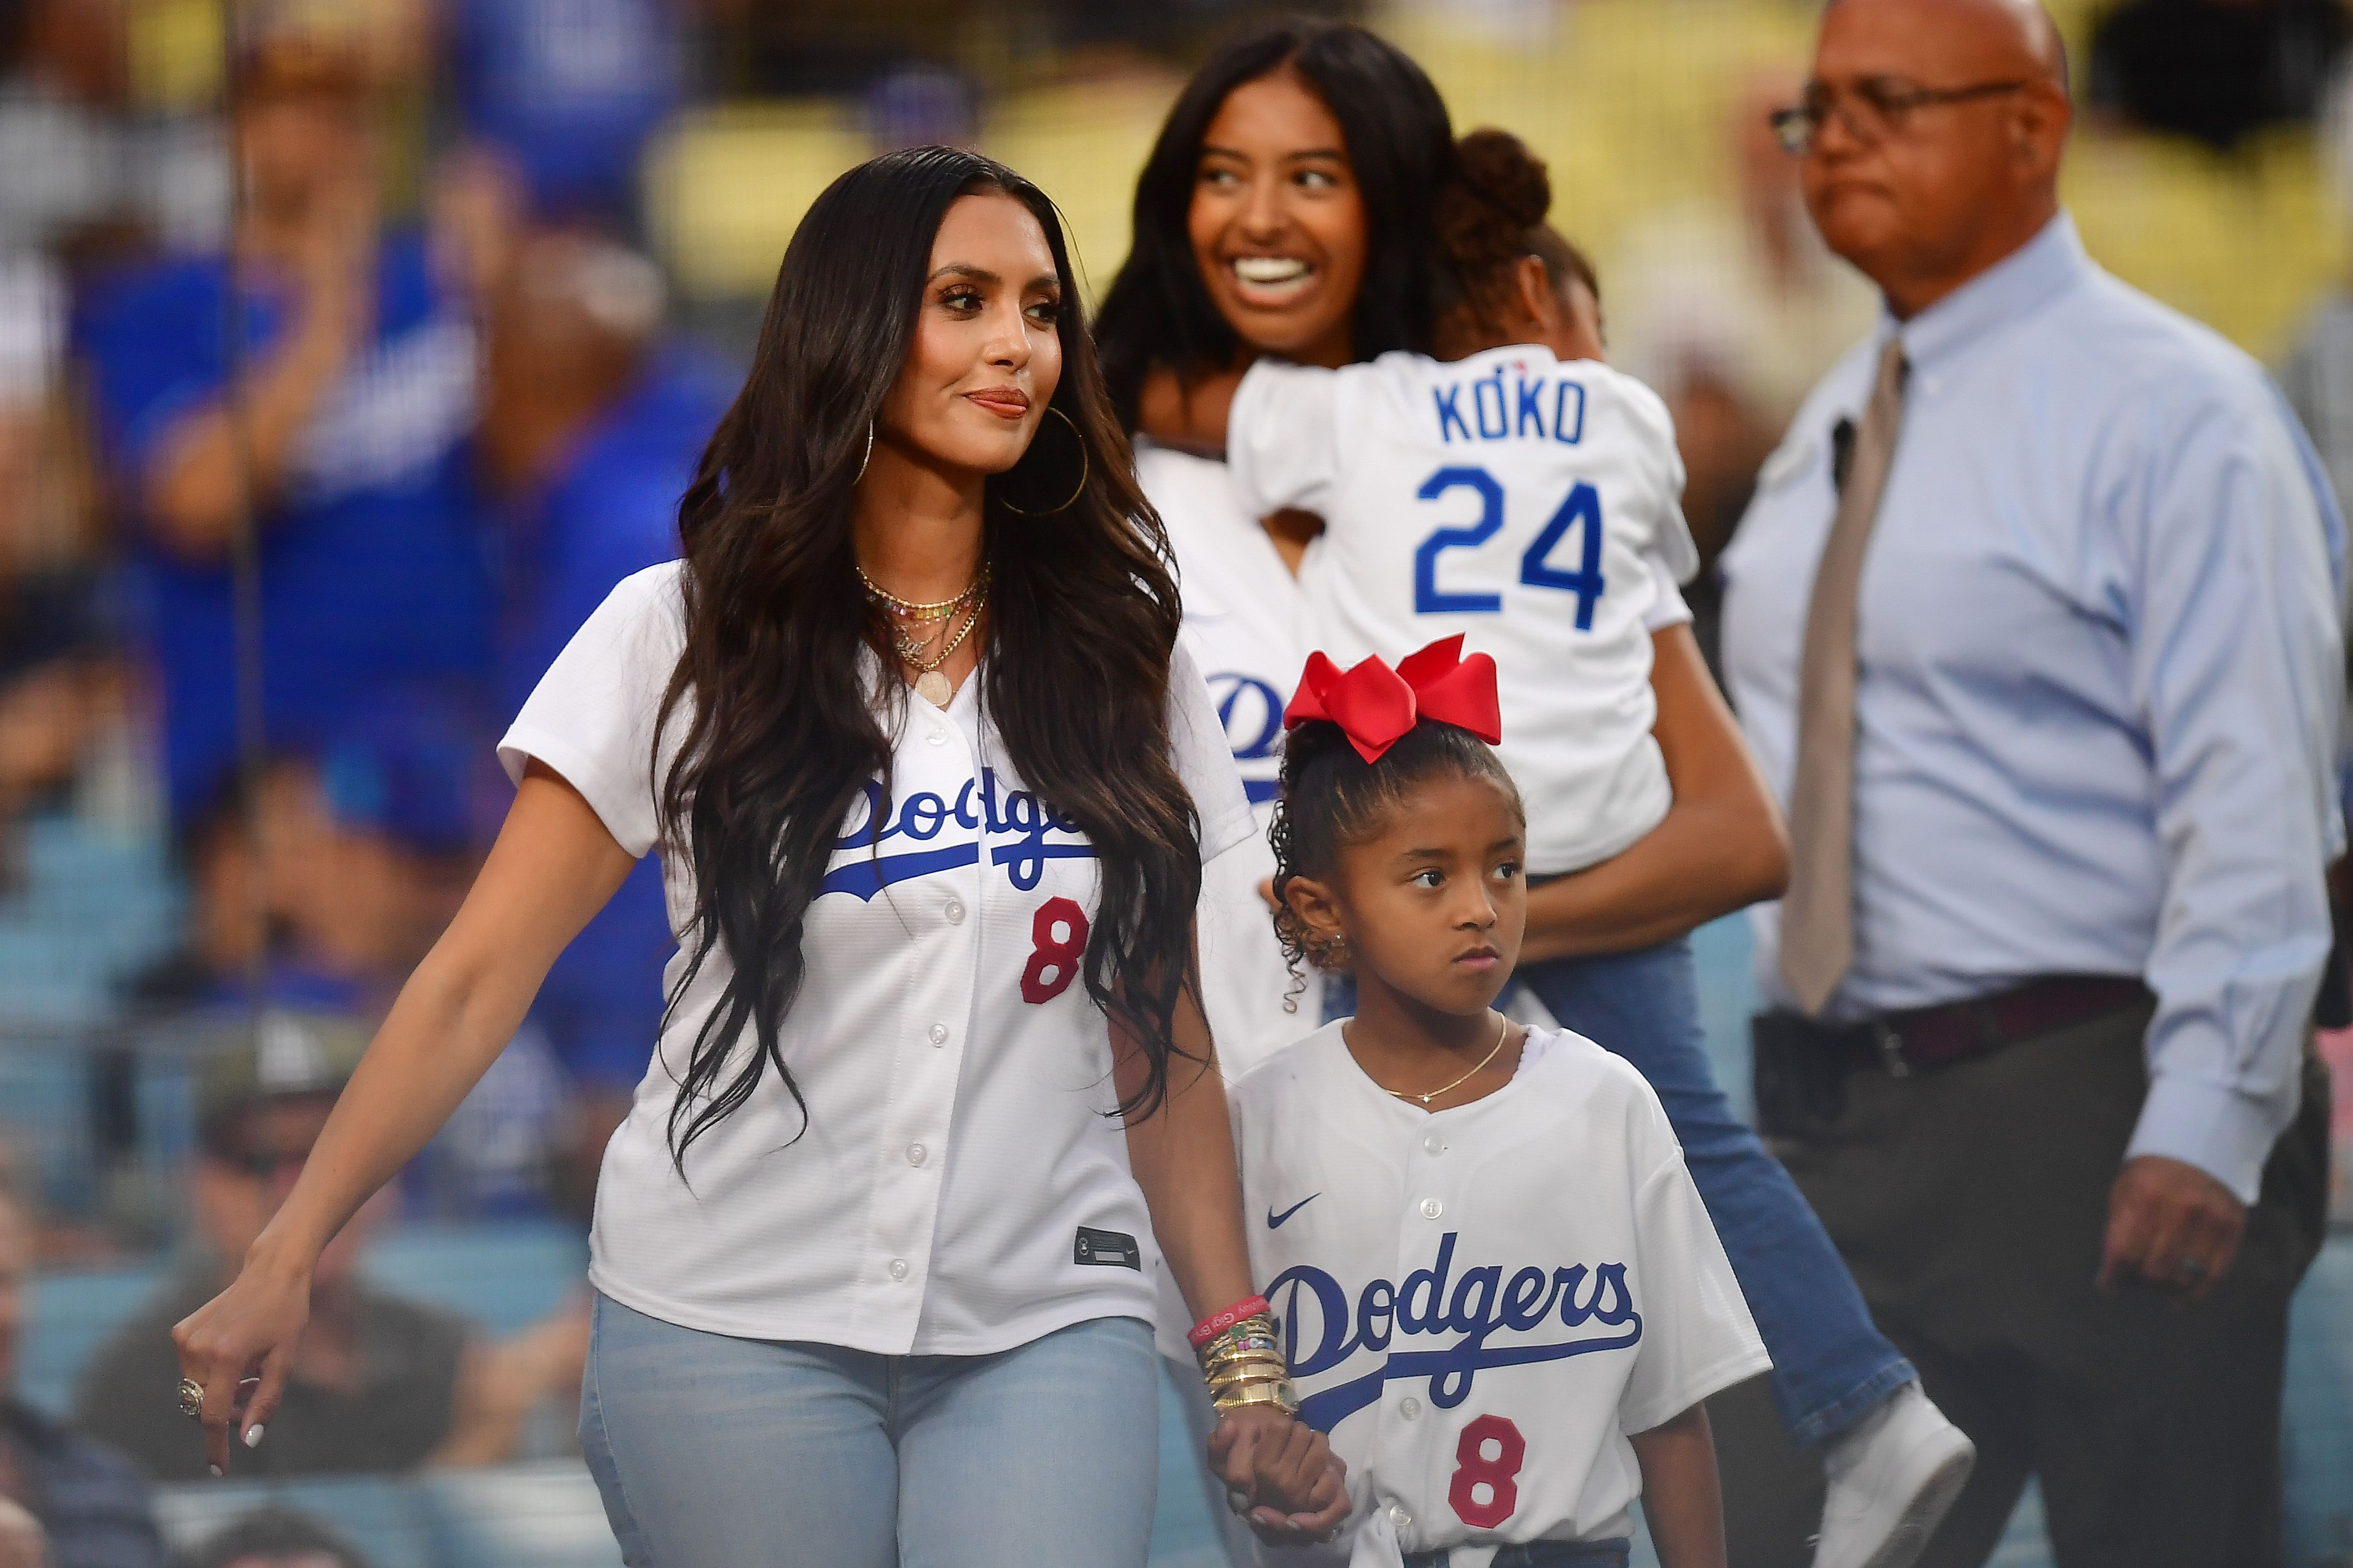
(282,1254)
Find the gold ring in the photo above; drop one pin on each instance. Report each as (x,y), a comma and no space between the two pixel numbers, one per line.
(191,1398)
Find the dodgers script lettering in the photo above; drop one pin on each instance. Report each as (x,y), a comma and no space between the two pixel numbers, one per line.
(1322,1330)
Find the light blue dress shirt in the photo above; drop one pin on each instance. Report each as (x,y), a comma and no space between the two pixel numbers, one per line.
(2100,683)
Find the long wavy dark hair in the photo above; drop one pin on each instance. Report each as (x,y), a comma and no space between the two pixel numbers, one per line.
(1400,147)
(782,726)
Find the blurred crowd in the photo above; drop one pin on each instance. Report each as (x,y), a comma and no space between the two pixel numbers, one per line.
(335,391)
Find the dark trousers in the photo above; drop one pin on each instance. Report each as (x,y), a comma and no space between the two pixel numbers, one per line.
(1970,1202)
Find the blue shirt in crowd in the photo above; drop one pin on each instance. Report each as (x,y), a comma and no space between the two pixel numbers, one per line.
(372,567)
(570,90)
(610,509)
(2100,679)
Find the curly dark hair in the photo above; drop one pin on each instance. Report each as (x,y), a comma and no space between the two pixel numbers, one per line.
(1490,214)
(1329,797)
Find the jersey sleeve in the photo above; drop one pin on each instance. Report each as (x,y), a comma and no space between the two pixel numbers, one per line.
(1196,743)
(1282,444)
(1667,605)
(1697,1335)
(1661,462)
(591,717)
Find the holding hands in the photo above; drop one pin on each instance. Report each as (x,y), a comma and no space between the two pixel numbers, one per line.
(1281,1476)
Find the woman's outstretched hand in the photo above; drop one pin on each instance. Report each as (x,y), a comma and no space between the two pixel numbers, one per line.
(237,1347)
(1281,1476)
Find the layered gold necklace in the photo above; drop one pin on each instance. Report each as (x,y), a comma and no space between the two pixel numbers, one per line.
(925,636)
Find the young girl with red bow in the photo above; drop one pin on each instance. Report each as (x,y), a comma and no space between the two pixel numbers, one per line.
(1497,1285)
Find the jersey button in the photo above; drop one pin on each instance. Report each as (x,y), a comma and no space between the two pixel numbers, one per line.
(1398,1515)
(938,737)
(1409,1407)
(939,1034)
(1431,1208)
(955,911)
(917,1153)
(897,1268)
(1434,1144)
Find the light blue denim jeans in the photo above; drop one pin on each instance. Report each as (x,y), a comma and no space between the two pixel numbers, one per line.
(1830,1363)
(714,1452)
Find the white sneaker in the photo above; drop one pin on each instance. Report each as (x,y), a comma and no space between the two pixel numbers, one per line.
(1892,1477)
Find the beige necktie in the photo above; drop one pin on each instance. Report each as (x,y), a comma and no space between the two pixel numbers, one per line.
(1817,912)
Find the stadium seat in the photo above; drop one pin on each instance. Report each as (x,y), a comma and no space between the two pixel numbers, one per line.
(544,1515)
(386,1519)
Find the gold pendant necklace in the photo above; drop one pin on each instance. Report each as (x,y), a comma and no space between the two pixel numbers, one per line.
(929,684)
(1501,1034)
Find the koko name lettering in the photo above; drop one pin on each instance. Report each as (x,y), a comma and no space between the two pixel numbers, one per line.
(1489,409)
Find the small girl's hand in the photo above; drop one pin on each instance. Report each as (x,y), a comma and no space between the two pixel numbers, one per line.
(1281,1476)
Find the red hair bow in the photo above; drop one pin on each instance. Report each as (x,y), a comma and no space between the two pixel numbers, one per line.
(1375,705)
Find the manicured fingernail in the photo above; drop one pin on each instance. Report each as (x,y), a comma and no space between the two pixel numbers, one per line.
(215,1470)
(253,1436)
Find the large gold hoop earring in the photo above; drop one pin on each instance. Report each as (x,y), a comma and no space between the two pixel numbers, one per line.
(868,457)
(1075,493)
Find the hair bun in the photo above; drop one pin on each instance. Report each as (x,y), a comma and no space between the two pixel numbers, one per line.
(1500,191)
(1498,166)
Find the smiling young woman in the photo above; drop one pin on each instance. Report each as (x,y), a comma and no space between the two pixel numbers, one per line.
(874,1248)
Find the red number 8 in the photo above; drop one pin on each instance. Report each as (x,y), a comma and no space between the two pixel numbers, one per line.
(1054,963)
(1474,1469)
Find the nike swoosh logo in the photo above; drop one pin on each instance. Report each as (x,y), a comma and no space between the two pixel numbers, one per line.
(1274,1221)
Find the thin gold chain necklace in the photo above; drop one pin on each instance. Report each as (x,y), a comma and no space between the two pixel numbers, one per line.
(938,610)
(1501,1034)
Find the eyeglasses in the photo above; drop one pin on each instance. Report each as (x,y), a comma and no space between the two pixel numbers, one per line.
(1873,107)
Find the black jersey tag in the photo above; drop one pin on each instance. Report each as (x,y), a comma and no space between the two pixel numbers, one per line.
(1106,1250)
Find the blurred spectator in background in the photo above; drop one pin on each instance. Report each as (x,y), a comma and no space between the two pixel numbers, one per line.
(568,91)
(1731,311)
(592,423)
(378,1383)
(358,381)
(245,872)
(275,1537)
(65,1500)
(89,182)
(367,846)
(2216,69)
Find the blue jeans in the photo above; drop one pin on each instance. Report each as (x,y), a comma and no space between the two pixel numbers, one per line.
(1831,1364)
(713,1452)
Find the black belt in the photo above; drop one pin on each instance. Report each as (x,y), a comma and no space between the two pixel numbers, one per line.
(1611,1554)
(1922,1039)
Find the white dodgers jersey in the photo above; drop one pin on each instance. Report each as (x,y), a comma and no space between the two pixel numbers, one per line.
(1479,1304)
(1245,626)
(1532,505)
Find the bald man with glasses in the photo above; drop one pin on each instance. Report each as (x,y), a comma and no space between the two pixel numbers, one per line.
(2032,622)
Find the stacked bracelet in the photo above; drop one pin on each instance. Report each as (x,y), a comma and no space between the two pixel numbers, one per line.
(1242,1360)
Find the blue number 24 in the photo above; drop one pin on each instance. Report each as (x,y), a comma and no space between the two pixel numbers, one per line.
(1537,570)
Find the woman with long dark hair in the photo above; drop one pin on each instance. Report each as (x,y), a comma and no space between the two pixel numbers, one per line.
(1288,209)
(933,785)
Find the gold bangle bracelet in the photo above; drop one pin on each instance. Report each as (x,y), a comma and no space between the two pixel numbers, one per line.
(1278,1395)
